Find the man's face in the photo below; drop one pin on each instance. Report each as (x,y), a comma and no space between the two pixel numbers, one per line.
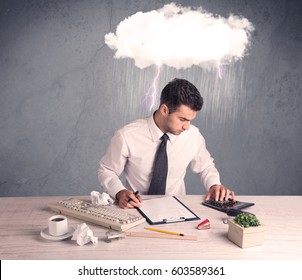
(180,120)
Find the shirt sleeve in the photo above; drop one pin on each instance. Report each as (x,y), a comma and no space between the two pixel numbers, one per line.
(112,165)
(203,164)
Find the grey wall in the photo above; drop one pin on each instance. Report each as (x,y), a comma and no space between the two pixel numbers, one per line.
(62,96)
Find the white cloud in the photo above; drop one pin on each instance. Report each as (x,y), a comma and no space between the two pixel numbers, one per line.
(180,37)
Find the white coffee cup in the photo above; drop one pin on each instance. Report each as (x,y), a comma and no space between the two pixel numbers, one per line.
(57,225)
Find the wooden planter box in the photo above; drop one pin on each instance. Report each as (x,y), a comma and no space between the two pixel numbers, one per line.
(245,237)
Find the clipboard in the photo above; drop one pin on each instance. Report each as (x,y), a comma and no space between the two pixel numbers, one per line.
(167,209)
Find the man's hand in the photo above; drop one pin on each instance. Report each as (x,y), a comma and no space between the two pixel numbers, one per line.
(219,192)
(127,199)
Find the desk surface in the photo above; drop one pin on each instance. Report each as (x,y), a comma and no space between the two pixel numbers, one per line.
(23,218)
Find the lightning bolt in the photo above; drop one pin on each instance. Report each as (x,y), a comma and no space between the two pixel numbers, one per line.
(220,70)
(152,95)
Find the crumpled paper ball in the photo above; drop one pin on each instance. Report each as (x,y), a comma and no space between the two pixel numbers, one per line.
(83,234)
(101,198)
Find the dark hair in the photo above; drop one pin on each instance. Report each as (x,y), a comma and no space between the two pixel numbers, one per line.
(181,92)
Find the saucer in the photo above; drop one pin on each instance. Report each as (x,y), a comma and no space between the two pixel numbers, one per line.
(45,234)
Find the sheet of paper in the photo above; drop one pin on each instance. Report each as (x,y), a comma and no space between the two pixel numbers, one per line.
(165,208)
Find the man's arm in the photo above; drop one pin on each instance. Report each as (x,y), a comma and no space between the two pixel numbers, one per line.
(203,164)
(112,165)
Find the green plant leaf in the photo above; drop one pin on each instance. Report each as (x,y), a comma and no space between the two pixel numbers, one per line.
(247,220)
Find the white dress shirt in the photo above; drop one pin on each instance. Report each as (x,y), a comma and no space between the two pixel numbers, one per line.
(133,148)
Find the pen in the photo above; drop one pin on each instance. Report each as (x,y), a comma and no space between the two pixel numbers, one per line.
(155,235)
(164,231)
(136,193)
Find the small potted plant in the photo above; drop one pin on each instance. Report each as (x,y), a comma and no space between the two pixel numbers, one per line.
(245,230)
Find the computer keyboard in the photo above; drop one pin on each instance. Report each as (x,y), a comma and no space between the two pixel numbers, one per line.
(107,216)
(230,206)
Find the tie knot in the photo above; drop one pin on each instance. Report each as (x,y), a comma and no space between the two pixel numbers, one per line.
(165,137)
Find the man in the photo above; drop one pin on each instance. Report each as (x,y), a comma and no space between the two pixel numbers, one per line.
(133,149)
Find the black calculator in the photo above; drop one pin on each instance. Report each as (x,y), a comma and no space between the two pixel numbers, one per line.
(230,206)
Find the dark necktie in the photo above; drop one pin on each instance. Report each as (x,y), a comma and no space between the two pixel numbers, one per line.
(160,169)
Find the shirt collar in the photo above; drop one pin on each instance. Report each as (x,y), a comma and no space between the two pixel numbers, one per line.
(156,133)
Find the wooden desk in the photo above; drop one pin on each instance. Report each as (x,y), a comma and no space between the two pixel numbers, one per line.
(23,218)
